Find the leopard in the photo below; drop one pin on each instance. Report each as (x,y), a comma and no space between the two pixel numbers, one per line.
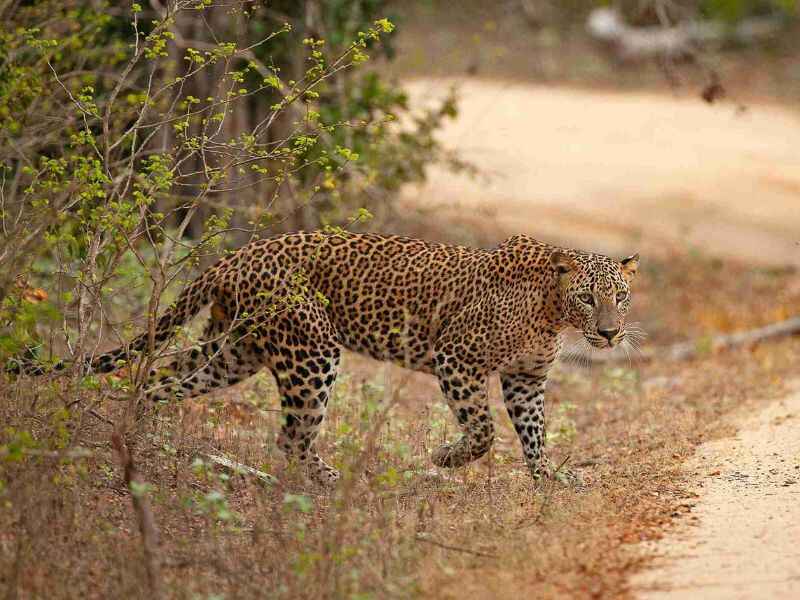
(292,303)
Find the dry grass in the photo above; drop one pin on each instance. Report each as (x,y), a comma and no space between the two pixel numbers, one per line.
(67,528)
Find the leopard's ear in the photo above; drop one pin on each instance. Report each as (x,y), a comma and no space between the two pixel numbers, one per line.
(562,263)
(630,266)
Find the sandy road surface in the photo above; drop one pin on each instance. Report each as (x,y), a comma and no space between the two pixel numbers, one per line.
(745,543)
(614,170)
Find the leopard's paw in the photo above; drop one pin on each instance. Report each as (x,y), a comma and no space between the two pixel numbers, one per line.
(547,469)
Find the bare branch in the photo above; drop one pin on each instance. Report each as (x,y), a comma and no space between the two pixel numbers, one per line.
(144,514)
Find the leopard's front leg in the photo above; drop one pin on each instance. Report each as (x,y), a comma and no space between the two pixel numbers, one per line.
(523,394)
(464,388)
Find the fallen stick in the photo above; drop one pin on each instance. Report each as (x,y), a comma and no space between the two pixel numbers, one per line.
(239,468)
(630,43)
(694,348)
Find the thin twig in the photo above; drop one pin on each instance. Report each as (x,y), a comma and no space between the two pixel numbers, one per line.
(423,538)
(100,417)
(563,462)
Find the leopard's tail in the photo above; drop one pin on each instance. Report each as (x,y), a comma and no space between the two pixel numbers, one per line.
(190,301)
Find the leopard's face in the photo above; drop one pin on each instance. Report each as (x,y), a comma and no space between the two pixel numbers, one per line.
(596,295)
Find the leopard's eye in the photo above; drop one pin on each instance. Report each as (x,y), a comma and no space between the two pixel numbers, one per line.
(621,297)
(586,299)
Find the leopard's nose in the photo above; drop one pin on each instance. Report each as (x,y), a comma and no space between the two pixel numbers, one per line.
(609,334)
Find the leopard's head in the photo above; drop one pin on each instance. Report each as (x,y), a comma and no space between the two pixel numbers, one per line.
(596,295)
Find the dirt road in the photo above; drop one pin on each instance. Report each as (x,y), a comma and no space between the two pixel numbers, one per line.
(615,171)
(744,541)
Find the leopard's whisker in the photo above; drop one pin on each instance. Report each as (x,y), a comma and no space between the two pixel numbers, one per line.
(575,353)
(635,352)
(627,349)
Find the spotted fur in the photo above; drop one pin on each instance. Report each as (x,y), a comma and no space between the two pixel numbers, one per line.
(291,303)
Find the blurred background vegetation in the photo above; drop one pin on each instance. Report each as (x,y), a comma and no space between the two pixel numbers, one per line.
(753,41)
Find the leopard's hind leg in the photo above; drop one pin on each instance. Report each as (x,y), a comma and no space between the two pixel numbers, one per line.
(224,357)
(464,388)
(303,355)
